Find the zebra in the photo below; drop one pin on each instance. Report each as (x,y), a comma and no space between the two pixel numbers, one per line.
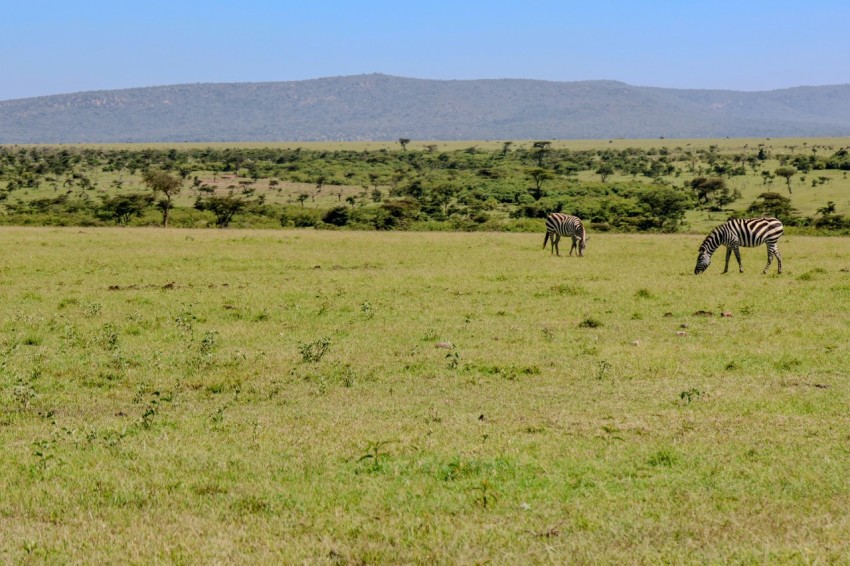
(738,232)
(558,225)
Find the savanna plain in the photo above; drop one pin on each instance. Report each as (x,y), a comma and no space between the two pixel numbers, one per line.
(310,396)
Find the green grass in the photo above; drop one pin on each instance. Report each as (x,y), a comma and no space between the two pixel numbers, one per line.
(325,397)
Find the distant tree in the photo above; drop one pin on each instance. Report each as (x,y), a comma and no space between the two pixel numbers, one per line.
(713,193)
(541,148)
(604,171)
(337,216)
(664,207)
(827,210)
(829,220)
(302,197)
(374,178)
(223,207)
(122,208)
(442,195)
(538,175)
(786,172)
(159,181)
(506,146)
(403,142)
(776,205)
(725,197)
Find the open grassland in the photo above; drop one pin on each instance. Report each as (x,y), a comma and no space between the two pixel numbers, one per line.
(356,397)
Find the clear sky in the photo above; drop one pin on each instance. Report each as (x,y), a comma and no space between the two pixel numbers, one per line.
(63,46)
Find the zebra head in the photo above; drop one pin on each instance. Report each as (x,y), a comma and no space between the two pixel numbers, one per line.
(703,261)
(582,245)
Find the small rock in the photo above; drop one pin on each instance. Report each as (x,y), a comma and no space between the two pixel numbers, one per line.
(681,333)
(525,506)
(668,314)
(445,345)
(683,325)
(726,314)
(703,313)
(635,342)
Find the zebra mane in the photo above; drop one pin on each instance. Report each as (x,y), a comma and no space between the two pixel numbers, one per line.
(712,241)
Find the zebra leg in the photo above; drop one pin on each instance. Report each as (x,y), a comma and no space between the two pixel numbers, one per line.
(574,246)
(737,251)
(728,255)
(771,252)
(555,239)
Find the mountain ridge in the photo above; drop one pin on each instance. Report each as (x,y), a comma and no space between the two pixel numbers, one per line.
(378,107)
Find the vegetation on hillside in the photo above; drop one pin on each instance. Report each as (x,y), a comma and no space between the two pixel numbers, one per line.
(509,187)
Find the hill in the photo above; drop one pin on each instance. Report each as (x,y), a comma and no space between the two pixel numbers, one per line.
(381,107)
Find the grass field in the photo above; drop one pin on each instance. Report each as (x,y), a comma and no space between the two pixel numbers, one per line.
(189,396)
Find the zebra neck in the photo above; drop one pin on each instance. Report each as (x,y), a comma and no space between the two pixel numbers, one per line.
(711,244)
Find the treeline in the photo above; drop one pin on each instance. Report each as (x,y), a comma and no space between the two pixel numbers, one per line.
(386,189)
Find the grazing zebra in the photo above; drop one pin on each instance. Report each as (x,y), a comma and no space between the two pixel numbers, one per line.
(738,232)
(558,225)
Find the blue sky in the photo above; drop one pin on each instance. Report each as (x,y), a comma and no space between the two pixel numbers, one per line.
(54,47)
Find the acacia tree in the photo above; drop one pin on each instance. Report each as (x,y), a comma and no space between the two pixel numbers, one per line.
(786,172)
(664,208)
(827,210)
(713,193)
(122,208)
(776,205)
(538,175)
(161,182)
(541,148)
(223,207)
(604,171)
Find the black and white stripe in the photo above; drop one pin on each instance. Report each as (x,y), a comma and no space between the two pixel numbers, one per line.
(558,225)
(742,232)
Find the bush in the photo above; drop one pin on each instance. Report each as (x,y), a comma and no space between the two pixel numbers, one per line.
(396,214)
(300,217)
(337,216)
(832,222)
